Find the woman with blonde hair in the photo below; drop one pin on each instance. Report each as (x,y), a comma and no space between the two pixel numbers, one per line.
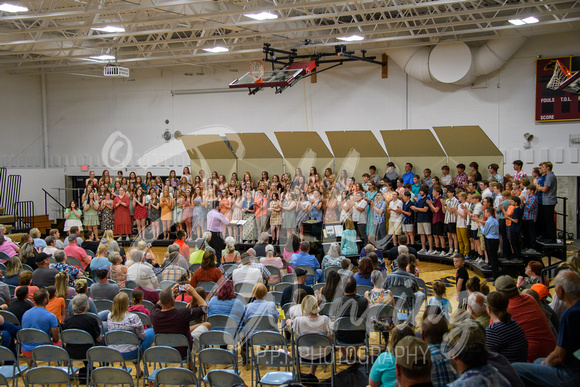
(62,288)
(109,241)
(348,239)
(101,259)
(167,205)
(312,322)
(120,319)
(82,288)
(117,271)
(13,268)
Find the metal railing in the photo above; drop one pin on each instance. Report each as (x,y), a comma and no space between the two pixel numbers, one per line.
(24,216)
(9,191)
(60,208)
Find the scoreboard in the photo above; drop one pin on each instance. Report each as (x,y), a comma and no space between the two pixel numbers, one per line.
(555,105)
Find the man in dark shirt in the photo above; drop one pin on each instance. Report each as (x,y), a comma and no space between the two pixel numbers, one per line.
(260,247)
(394,251)
(299,283)
(89,243)
(461,278)
(21,304)
(103,290)
(44,276)
(166,319)
(351,304)
(85,322)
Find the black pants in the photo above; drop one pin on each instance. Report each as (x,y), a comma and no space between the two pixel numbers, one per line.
(362,232)
(505,247)
(548,223)
(491,246)
(218,244)
(529,233)
(515,242)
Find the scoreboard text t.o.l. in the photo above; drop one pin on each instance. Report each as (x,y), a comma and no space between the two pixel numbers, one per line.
(555,105)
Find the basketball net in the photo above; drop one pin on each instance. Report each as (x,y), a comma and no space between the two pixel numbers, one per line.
(561,74)
(257,71)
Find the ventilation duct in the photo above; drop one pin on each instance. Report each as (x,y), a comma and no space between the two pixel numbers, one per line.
(455,62)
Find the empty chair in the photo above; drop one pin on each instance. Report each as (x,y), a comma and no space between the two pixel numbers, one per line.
(222,378)
(77,337)
(10,371)
(159,357)
(4,257)
(276,357)
(194,267)
(73,262)
(128,338)
(180,304)
(216,356)
(218,338)
(287,278)
(111,375)
(127,291)
(361,289)
(244,288)
(46,375)
(104,355)
(172,376)
(353,328)
(220,322)
(319,342)
(277,297)
(208,286)
(26,267)
(174,341)
(53,354)
(148,305)
(31,336)
(229,269)
(281,286)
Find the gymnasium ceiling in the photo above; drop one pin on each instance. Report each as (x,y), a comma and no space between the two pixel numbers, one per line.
(58,35)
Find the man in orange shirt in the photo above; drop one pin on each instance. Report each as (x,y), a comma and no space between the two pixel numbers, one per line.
(183,247)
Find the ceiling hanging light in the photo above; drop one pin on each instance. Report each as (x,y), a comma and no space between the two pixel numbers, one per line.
(12,8)
(216,49)
(109,29)
(352,38)
(262,16)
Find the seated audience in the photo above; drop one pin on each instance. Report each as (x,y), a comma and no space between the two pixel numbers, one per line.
(230,254)
(476,306)
(82,288)
(90,244)
(55,304)
(79,319)
(504,335)
(226,303)
(363,275)
(167,319)
(311,322)
(172,270)
(439,299)
(75,251)
(333,257)
(260,247)
(25,279)
(13,269)
(533,276)
(350,305)
(299,283)
(44,275)
(466,344)
(19,306)
(208,271)
(528,314)
(39,318)
(103,290)
(332,288)
(101,260)
(8,247)
(141,272)
(412,362)
(562,366)
(247,273)
(61,265)
(303,258)
(117,271)
(271,260)
(377,295)
(345,268)
(433,328)
(383,371)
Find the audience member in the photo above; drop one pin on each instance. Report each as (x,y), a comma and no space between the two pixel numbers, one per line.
(141,272)
(271,260)
(104,290)
(504,335)
(303,258)
(299,283)
(61,265)
(413,362)
(353,306)
(41,319)
(433,328)
(246,273)
(79,319)
(476,306)
(19,306)
(44,275)
(75,251)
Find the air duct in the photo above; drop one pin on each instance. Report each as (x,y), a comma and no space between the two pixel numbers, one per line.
(454,62)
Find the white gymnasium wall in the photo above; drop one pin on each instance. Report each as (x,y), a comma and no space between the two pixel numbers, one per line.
(84,112)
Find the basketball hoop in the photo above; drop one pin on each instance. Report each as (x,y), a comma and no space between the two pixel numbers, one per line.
(561,75)
(257,70)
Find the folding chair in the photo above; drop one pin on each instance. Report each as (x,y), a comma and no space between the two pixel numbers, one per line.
(111,375)
(73,262)
(148,305)
(180,304)
(31,336)
(228,269)
(273,271)
(244,288)
(175,377)
(4,257)
(277,297)
(326,309)
(257,324)
(289,278)
(12,371)
(194,267)
(162,356)
(46,375)
(216,356)
(221,322)
(174,341)
(361,289)
(128,338)
(166,284)
(346,324)
(104,355)
(103,304)
(130,284)
(329,269)
(282,285)
(128,292)
(9,317)
(319,286)
(218,338)
(26,267)
(319,341)
(145,320)
(208,286)
(53,354)
(222,378)
(3,381)
(383,313)
(271,358)
(310,272)
(89,280)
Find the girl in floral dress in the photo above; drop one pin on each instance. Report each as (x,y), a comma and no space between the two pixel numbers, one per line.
(197,211)
(107,215)
(237,213)
(275,218)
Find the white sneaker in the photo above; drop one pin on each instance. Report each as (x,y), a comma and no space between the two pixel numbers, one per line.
(443,253)
(431,252)
(422,251)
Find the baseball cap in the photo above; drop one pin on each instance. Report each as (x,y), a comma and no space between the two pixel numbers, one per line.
(505,283)
(542,291)
(41,257)
(72,237)
(413,354)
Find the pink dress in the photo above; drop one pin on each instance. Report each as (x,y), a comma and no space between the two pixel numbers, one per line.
(187,211)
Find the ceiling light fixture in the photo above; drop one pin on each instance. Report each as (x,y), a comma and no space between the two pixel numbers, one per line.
(521,22)
(103,57)
(216,49)
(12,8)
(109,29)
(353,38)
(262,16)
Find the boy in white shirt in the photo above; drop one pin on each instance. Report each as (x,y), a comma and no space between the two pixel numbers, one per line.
(450,222)
(446,179)
(473,231)
(396,219)
(485,191)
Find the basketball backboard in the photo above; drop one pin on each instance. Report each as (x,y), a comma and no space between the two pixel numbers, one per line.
(280,79)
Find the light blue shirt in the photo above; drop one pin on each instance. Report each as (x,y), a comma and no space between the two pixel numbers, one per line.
(97,263)
(491,228)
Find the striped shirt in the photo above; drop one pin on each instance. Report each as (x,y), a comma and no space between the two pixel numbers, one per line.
(450,217)
(508,340)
